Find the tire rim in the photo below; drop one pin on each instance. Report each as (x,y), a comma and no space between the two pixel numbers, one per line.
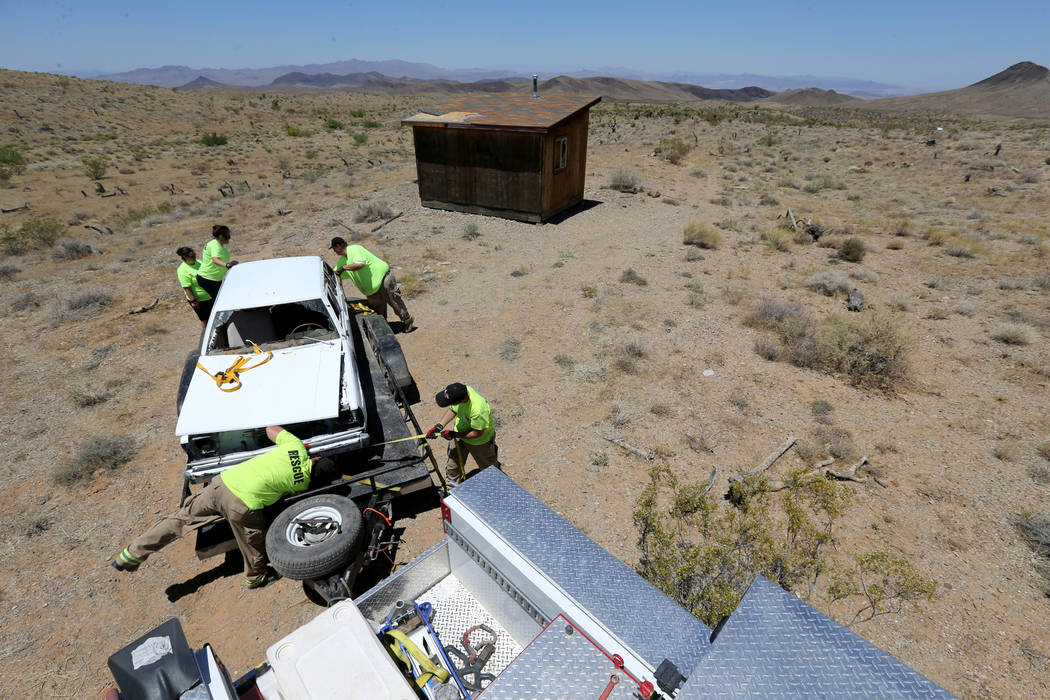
(327,522)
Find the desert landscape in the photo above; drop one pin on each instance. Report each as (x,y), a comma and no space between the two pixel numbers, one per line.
(695,309)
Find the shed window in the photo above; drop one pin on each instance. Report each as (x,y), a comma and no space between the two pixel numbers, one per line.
(561,153)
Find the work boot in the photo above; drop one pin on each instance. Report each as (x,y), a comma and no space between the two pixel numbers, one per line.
(126,562)
(407,323)
(262,579)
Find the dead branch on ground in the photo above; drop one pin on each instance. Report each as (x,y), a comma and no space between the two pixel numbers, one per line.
(8,211)
(144,309)
(629,448)
(395,216)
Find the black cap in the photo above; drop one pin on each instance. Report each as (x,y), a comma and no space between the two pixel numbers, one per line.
(453,394)
(338,240)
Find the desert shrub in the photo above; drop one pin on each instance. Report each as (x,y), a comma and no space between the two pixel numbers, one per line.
(333,124)
(8,272)
(36,233)
(768,349)
(887,583)
(95,167)
(102,451)
(829,283)
(962,247)
(372,211)
(1010,284)
(775,316)
(624,181)
(23,301)
(1007,451)
(1044,450)
(370,124)
(704,554)
(702,235)
(599,458)
(213,139)
(85,303)
(295,131)
(634,349)
(564,361)
(1035,529)
(852,250)
(1013,334)
(73,250)
(135,215)
(83,398)
(629,276)
(412,285)
(777,239)
(470,230)
(360,139)
(510,350)
(12,158)
(673,149)
(769,201)
(871,351)
(357,113)
(816,183)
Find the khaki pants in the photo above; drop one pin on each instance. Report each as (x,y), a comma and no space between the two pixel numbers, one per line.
(486,455)
(388,293)
(201,508)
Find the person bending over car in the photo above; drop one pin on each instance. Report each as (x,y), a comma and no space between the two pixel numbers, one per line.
(238,494)
(373,278)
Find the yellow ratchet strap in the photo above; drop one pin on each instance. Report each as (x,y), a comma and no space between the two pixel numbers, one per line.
(363,308)
(402,647)
(232,374)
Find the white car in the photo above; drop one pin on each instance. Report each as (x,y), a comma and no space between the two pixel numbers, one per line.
(282,333)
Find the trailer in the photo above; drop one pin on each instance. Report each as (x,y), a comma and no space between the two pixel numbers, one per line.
(517,603)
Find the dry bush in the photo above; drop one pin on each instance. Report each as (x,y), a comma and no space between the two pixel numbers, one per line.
(702,235)
(8,272)
(1013,334)
(768,349)
(86,303)
(1035,529)
(629,276)
(372,211)
(673,149)
(775,316)
(777,239)
(102,451)
(624,181)
(510,350)
(1007,451)
(412,285)
(829,283)
(963,247)
(73,250)
(852,250)
(1044,450)
(95,167)
(871,351)
(23,301)
(34,234)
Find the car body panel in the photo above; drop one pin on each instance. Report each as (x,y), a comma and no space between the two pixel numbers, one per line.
(274,281)
(283,390)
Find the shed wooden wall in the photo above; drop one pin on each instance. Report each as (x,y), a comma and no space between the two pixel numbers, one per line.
(490,169)
(564,188)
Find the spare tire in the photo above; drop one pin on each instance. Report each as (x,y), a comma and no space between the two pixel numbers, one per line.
(314,537)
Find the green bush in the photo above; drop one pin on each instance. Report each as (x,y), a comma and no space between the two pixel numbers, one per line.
(370,124)
(333,124)
(214,139)
(702,235)
(12,162)
(357,113)
(360,139)
(673,149)
(852,250)
(870,350)
(95,166)
(34,234)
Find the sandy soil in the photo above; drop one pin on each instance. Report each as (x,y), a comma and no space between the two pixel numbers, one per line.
(537,318)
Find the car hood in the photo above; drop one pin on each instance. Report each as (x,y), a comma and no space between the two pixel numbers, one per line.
(298,384)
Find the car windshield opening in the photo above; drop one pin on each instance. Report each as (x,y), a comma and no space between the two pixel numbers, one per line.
(271,327)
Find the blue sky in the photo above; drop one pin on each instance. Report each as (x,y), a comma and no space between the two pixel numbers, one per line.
(915,44)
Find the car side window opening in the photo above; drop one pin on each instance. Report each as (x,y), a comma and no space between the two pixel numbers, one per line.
(271,326)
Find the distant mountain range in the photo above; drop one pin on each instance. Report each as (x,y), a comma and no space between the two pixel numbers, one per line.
(178,76)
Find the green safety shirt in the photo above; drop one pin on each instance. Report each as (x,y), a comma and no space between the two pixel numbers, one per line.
(474,414)
(263,480)
(370,277)
(188,278)
(209,270)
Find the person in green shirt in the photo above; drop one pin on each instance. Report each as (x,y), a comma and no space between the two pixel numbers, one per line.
(199,300)
(238,494)
(215,260)
(474,433)
(373,278)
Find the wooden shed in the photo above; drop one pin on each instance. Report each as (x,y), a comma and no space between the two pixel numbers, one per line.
(516,156)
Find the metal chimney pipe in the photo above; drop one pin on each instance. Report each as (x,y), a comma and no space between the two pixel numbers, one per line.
(535,89)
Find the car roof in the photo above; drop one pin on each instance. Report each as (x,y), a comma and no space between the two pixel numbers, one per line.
(268,282)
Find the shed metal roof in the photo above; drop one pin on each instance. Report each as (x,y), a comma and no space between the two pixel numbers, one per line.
(513,111)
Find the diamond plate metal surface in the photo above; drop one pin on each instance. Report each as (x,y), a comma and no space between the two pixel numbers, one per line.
(775,645)
(456,611)
(650,623)
(559,666)
(407,583)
